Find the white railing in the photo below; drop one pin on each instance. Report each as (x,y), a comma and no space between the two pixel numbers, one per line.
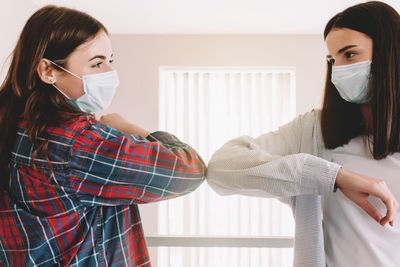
(219,241)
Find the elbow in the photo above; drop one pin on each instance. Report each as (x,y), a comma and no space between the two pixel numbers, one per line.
(199,176)
(193,172)
(217,181)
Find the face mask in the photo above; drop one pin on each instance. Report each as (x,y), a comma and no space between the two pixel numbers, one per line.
(99,90)
(352,81)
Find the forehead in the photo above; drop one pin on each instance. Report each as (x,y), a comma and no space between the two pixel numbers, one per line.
(338,38)
(99,45)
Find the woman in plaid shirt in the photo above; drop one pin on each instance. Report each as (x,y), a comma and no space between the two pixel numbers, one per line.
(70,184)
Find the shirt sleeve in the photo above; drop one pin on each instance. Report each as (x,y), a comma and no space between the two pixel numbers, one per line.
(274,164)
(108,167)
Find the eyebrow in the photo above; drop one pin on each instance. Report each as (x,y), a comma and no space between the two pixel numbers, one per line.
(100,56)
(345,48)
(342,50)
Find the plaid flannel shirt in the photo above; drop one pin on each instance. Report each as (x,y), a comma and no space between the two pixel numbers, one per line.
(82,210)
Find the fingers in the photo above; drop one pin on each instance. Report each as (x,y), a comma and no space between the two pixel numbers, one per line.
(360,199)
(357,187)
(381,191)
(391,206)
(371,210)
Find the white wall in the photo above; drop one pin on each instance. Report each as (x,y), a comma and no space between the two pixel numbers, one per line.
(13,15)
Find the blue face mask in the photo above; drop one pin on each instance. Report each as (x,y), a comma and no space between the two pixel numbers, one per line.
(352,81)
(99,90)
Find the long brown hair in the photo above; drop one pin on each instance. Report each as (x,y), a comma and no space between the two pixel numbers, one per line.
(52,33)
(342,120)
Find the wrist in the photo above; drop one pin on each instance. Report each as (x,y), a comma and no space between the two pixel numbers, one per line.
(339,179)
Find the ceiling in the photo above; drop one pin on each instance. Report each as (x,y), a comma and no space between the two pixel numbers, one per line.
(211,16)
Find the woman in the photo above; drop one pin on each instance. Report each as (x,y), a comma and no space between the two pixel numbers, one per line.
(71,185)
(356,135)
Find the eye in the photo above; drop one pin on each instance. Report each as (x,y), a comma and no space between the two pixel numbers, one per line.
(349,55)
(98,65)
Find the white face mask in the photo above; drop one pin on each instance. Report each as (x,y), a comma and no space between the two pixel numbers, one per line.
(352,81)
(99,90)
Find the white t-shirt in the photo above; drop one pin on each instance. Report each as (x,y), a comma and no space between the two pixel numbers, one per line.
(352,237)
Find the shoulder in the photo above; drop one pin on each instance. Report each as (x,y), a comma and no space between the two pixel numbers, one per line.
(312,134)
(311,124)
(311,118)
(303,124)
(86,127)
(303,133)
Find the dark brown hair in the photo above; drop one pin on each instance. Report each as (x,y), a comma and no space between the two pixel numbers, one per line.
(342,120)
(52,33)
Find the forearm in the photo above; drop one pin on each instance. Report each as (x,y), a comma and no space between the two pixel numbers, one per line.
(116,168)
(241,167)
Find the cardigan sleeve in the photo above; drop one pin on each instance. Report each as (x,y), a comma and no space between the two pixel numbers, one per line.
(274,164)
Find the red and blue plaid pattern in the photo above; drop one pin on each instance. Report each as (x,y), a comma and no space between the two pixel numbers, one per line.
(83,209)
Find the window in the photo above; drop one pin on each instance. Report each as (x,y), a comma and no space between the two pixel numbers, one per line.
(206,107)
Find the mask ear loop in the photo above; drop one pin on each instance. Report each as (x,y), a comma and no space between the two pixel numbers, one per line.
(53,83)
(64,69)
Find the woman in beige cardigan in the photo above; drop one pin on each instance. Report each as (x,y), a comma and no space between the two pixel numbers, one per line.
(304,162)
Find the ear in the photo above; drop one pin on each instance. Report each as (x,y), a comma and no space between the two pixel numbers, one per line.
(46,71)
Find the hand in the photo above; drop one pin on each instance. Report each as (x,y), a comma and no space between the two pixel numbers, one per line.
(358,187)
(118,122)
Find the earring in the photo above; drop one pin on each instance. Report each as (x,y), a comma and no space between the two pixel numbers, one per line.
(51,80)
